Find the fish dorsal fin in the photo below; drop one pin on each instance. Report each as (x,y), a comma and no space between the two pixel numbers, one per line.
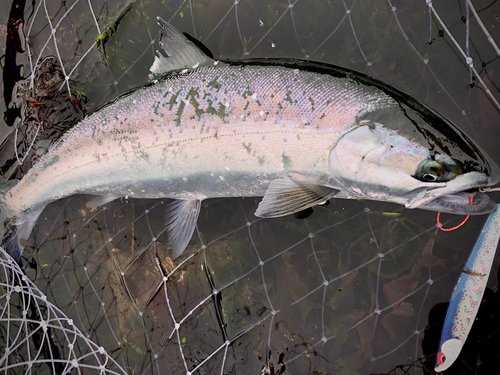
(180,217)
(203,48)
(180,52)
(286,196)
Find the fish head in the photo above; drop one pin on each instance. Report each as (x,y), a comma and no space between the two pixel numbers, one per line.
(450,350)
(411,157)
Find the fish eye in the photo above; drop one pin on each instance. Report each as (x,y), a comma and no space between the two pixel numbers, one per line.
(430,171)
(429,177)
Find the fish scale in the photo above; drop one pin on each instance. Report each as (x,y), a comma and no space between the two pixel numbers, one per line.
(172,130)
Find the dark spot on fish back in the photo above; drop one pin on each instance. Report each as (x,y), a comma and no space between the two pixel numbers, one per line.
(287,163)
(214,84)
(178,115)
(54,160)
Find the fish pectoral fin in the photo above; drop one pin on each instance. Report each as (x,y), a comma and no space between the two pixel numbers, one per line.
(180,52)
(285,197)
(180,218)
(98,200)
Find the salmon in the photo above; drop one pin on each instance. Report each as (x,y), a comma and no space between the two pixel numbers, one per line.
(296,133)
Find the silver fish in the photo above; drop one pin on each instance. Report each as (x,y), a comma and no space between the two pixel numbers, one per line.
(297,133)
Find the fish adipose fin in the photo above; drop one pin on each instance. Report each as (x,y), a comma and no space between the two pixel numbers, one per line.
(180,217)
(180,52)
(284,197)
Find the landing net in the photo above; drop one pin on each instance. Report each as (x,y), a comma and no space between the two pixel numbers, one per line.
(354,289)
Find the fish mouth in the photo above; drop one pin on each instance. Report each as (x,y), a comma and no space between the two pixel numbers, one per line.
(465,203)
(459,196)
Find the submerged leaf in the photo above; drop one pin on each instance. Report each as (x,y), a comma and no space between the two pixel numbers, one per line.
(347,285)
(341,336)
(289,280)
(348,371)
(357,359)
(399,322)
(397,289)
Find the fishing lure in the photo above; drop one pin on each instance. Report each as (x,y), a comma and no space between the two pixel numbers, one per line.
(468,293)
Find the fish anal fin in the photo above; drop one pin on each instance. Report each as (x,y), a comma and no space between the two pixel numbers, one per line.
(181,53)
(285,196)
(98,200)
(180,217)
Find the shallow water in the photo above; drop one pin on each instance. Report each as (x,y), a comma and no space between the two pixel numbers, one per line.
(346,291)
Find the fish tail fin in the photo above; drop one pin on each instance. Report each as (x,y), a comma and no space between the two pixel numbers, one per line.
(10,243)
(14,227)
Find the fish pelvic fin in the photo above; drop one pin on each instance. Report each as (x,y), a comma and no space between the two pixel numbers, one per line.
(181,217)
(180,53)
(285,196)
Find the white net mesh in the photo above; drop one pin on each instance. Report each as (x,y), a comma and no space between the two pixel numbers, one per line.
(38,337)
(348,287)
(345,291)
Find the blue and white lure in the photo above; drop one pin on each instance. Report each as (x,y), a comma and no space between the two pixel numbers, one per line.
(468,293)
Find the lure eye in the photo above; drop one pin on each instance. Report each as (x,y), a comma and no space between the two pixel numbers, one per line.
(441,358)
(430,171)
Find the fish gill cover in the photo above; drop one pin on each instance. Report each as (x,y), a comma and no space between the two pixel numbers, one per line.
(356,288)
